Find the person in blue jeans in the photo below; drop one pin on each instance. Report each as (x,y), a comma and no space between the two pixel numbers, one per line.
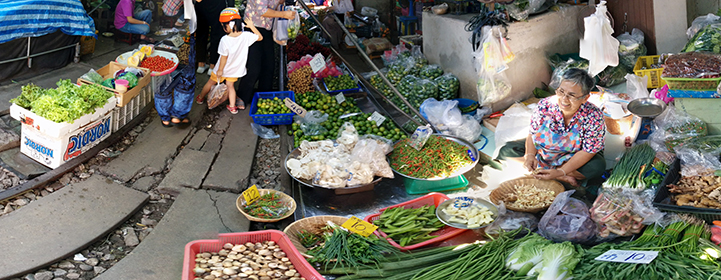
(174,105)
(138,23)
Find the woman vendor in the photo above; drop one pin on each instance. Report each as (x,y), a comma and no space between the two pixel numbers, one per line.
(566,136)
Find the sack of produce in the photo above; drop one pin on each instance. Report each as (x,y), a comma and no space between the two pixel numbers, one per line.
(372,151)
(407,85)
(418,57)
(560,66)
(401,68)
(623,212)
(492,87)
(93,77)
(347,135)
(431,71)
(217,95)
(294,27)
(631,48)
(701,22)
(708,39)
(448,85)
(612,76)
(567,219)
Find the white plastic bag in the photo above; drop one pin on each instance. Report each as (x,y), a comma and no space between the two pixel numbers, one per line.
(636,86)
(264,132)
(598,44)
(442,113)
(701,22)
(513,125)
(280,29)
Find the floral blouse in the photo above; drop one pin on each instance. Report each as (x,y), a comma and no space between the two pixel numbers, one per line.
(587,126)
(256,8)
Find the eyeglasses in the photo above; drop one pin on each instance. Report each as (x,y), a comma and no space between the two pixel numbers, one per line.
(562,93)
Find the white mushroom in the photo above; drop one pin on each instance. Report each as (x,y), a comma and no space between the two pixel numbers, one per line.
(229,271)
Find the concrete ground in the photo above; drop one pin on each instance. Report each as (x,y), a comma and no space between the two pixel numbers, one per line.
(199,176)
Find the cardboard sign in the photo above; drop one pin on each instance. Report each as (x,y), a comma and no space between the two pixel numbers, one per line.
(317,64)
(340,98)
(294,107)
(378,118)
(359,226)
(177,41)
(251,195)
(627,256)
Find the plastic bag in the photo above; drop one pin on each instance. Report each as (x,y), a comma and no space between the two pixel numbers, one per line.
(701,22)
(448,86)
(697,162)
(93,77)
(519,10)
(706,40)
(598,44)
(218,94)
(372,151)
(131,78)
(347,135)
(418,57)
(420,136)
(109,82)
(431,71)
(612,76)
(469,130)
(311,123)
(676,127)
(624,212)
(631,47)
(369,12)
(294,27)
(508,220)
(560,66)
(377,45)
(567,219)
(493,87)
(490,57)
(264,132)
(513,125)
(636,86)
(280,29)
(442,114)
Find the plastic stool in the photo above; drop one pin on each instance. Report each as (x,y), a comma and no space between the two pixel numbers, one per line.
(126,37)
(404,25)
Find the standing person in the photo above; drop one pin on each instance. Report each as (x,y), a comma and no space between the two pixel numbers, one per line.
(233,50)
(138,23)
(208,12)
(261,56)
(171,9)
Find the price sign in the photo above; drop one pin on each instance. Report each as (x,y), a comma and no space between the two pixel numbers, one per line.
(177,41)
(340,98)
(294,107)
(251,194)
(627,256)
(378,118)
(359,226)
(317,64)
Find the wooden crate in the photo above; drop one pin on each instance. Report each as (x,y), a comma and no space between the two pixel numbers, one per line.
(123,98)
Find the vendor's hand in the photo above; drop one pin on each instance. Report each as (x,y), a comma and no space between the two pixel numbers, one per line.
(548,174)
(530,162)
(289,14)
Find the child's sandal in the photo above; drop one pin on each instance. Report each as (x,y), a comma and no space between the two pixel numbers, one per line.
(233,110)
(199,100)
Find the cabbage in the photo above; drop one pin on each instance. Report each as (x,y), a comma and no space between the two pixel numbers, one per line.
(527,254)
(559,260)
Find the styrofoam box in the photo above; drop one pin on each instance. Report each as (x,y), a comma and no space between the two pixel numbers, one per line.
(125,114)
(56,130)
(54,151)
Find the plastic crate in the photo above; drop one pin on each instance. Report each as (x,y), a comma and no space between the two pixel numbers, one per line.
(125,114)
(350,90)
(271,119)
(654,75)
(662,201)
(214,245)
(422,186)
(703,84)
(444,233)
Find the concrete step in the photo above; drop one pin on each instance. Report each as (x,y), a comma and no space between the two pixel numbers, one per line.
(231,169)
(195,214)
(64,223)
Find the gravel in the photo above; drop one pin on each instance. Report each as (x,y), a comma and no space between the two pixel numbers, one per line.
(267,165)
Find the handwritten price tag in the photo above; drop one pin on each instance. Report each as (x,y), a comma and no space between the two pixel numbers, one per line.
(340,98)
(359,226)
(317,64)
(251,194)
(177,41)
(378,118)
(626,256)
(294,107)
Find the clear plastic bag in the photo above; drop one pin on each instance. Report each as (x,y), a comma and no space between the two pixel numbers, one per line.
(93,77)
(701,22)
(264,132)
(448,86)
(418,57)
(612,76)
(280,29)
(442,114)
(679,127)
(431,71)
(492,88)
(420,136)
(218,94)
(567,219)
(560,67)
(294,27)
(347,135)
(372,152)
(624,212)
(519,10)
(311,123)
(508,220)
(469,130)
(697,162)
(706,40)
(631,47)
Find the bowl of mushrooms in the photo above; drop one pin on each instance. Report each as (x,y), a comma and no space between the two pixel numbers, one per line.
(258,255)
(527,194)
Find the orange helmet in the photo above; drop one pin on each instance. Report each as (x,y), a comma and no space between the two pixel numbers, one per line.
(229,14)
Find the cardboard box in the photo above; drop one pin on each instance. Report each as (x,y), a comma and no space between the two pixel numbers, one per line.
(54,151)
(56,130)
(109,70)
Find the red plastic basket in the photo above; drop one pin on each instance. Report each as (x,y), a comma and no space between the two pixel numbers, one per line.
(214,245)
(444,233)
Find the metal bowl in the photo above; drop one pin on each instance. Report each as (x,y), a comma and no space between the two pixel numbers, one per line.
(296,153)
(472,151)
(647,107)
(445,218)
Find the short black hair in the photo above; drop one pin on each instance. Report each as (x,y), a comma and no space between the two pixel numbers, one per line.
(238,27)
(581,78)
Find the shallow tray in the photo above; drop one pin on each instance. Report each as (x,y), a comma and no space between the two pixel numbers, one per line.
(345,190)
(472,151)
(476,201)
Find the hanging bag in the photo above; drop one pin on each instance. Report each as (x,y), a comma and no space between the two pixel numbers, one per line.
(218,94)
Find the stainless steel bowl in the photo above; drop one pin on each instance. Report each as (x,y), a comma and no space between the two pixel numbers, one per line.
(647,107)
(295,153)
(445,218)
(472,151)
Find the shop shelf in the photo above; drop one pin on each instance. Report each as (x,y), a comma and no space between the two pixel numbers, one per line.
(430,199)
(271,119)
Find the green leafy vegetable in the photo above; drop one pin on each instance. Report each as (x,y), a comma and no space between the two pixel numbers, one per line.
(559,260)
(65,103)
(527,254)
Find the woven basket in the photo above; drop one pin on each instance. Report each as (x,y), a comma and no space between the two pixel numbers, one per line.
(508,187)
(293,229)
(286,199)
